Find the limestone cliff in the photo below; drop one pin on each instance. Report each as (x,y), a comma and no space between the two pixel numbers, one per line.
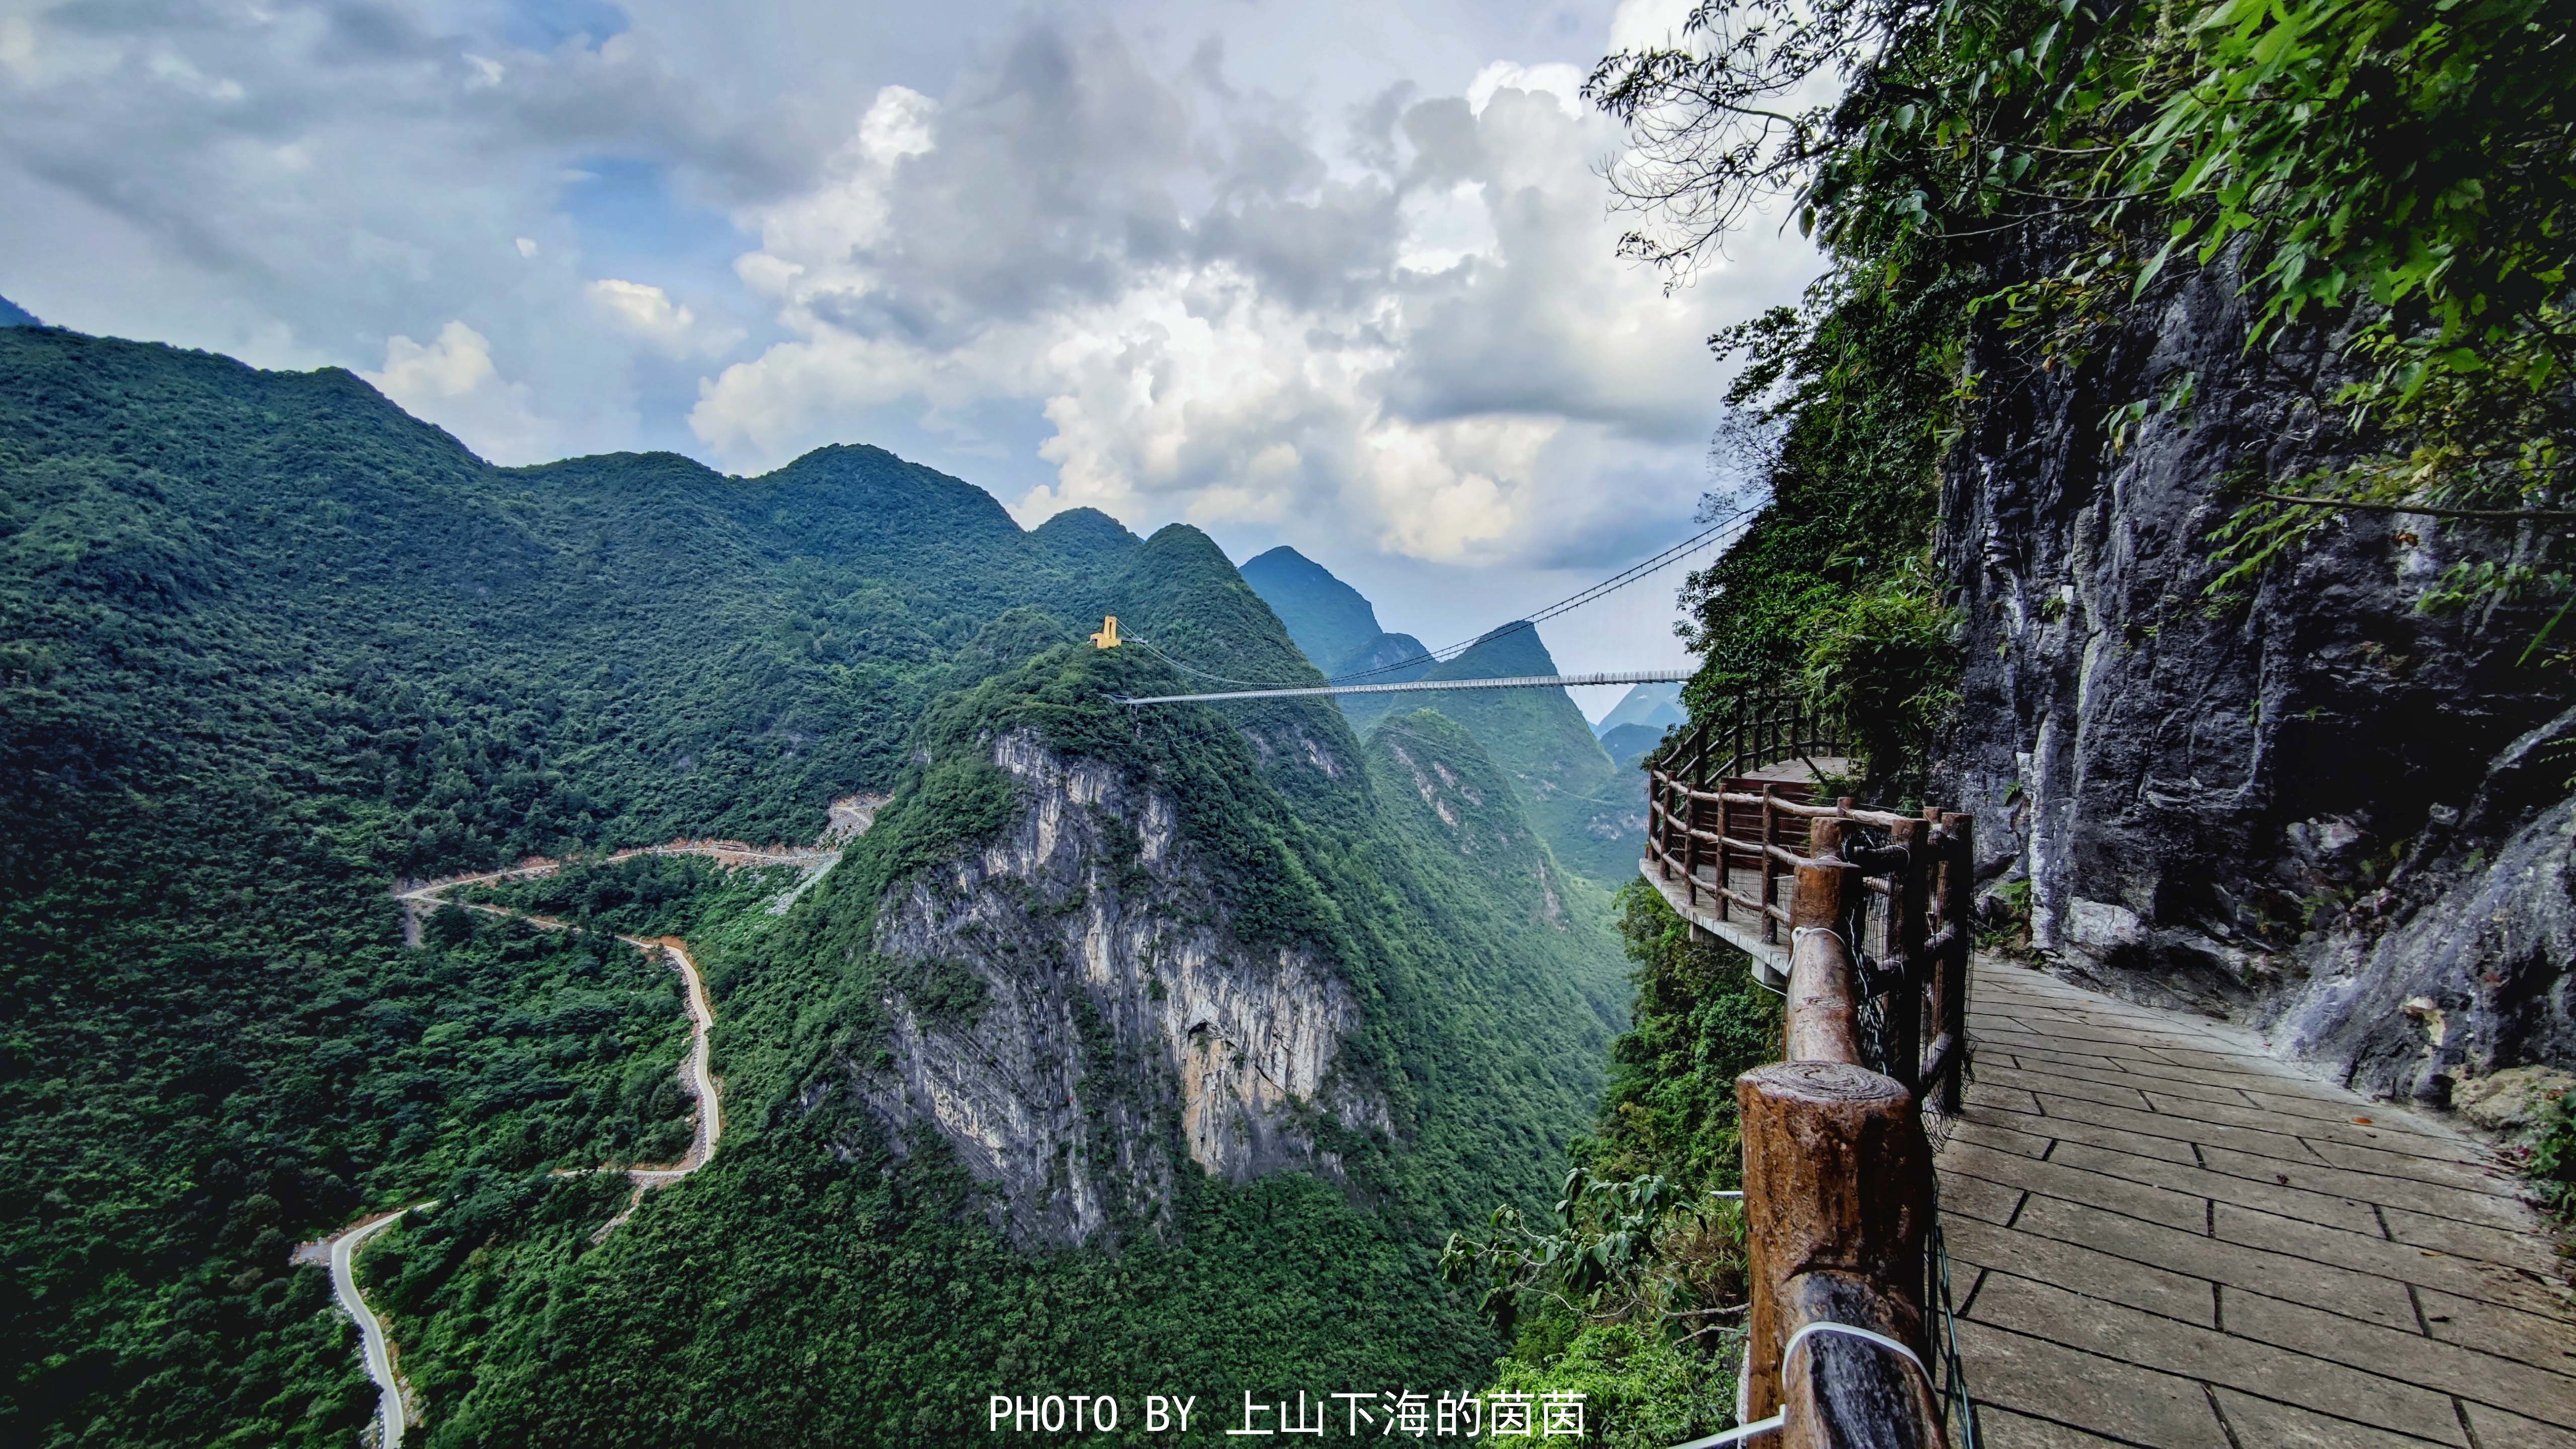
(2316,805)
(1070,1011)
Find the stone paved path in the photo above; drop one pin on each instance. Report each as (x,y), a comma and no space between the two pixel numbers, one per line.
(2160,1235)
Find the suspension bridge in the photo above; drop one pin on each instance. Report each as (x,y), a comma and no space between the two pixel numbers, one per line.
(1527,681)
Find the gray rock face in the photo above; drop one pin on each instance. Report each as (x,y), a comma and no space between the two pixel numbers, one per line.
(2204,794)
(1085,1021)
(2458,971)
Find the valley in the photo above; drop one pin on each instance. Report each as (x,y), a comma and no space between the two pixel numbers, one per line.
(395,1406)
(1135,1049)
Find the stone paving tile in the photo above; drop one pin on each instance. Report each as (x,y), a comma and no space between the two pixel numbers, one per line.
(2138,1200)
(2186,1230)
(2217,1260)
(1984,1130)
(1995,1095)
(2257,1141)
(2467,1176)
(2514,1246)
(2036,1375)
(2106,1330)
(2068,1131)
(2346,1131)
(2341,1108)
(2172,1081)
(1974,1197)
(2004,1429)
(2545,1340)
(2015,1040)
(2260,1422)
(2114,1094)
(2068,1265)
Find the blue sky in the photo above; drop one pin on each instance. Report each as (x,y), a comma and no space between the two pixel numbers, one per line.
(1337,275)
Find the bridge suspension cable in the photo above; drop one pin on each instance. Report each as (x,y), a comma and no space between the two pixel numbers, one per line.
(1525,681)
(1343,683)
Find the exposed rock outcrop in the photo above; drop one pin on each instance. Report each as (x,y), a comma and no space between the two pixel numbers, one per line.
(1068,1010)
(2208,797)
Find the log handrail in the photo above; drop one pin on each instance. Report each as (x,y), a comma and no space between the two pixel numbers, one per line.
(1837,1204)
(1838,1185)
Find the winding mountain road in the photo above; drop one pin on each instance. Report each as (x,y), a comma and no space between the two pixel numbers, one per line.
(392,1410)
(393,1404)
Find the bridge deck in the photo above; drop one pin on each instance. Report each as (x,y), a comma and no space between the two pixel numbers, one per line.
(2160,1235)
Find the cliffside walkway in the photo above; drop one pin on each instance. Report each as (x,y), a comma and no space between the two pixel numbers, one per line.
(2156,1232)
(2159,1234)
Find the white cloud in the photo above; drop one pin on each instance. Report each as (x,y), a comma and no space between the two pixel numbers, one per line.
(1555,79)
(452,383)
(1339,272)
(1437,349)
(1647,24)
(648,314)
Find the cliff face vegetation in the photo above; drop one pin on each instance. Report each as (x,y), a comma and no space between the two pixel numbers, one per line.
(2171,470)
(1080,994)
(1150,1050)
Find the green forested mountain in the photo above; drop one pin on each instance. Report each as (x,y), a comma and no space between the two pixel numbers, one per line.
(1589,810)
(1328,619)
(1630,743)
(267,645)
(1654,706)
(1388,659)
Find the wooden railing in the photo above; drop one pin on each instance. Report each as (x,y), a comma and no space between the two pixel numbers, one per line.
(1862,916)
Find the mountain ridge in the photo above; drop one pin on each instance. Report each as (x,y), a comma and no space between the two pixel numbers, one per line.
(274,645)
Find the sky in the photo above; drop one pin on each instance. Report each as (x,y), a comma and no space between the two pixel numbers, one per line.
(1336,274)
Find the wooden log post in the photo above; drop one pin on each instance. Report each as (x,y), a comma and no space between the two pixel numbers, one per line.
(1958,909)
(1837,1199)
(1690,845)
(1909,927)
(1770,867)
(1823,996)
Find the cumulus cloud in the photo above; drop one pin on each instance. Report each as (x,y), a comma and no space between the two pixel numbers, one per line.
(1426,337)
(450,381)
(648,314)
(1339,273)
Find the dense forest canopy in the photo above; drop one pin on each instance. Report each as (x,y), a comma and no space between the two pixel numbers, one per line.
(272,647)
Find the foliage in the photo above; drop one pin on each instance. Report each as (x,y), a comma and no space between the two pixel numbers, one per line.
(878,1282)
(268,646)
(1578,799)
(1834,569)
(1639,1390)
(1633,1292)
(641,895)
(1700,1021)
(2552,1166)
(2393,175)
(1881,658)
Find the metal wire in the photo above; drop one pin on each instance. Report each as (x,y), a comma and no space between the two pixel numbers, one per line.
(1448,652)
(1958,1406)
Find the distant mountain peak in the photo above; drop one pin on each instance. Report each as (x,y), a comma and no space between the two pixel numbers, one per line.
(1655,706)
(1328,619)
(13,315)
